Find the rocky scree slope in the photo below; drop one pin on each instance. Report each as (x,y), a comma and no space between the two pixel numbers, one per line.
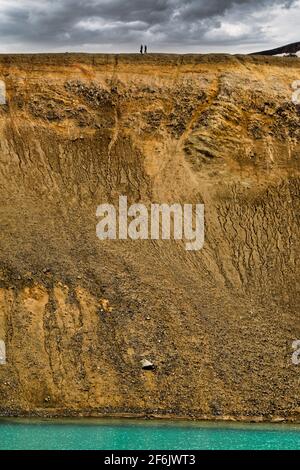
(78,315)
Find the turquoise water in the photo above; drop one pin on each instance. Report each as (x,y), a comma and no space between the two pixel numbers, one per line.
(145,435)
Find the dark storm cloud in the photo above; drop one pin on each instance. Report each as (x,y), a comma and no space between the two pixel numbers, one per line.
(204,9)
(54,24)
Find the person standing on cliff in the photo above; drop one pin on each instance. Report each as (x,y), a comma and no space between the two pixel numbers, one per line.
(142,48)
(146,49)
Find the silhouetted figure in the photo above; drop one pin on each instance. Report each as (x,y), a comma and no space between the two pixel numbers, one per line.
(142,48)
(146,49)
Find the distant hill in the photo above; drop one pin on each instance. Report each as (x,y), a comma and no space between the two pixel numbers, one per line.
(289,49)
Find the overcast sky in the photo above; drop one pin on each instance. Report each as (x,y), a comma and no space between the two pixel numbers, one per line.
(164,25)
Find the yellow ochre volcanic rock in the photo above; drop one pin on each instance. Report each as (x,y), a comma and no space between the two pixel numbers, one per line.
(79,316)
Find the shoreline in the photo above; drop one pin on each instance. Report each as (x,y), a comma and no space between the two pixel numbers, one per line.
(91,414)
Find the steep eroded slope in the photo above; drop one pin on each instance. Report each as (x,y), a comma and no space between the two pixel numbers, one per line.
(77,315)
